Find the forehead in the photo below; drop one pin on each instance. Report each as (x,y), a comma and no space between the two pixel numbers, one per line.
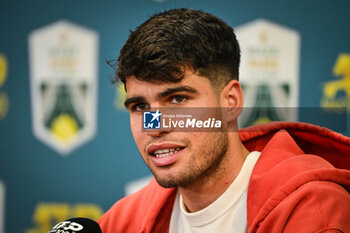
(140,87)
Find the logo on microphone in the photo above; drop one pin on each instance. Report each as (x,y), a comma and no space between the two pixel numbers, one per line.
(66,227)
(151,120)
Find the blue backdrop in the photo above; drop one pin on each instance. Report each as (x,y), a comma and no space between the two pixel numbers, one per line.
(42,186)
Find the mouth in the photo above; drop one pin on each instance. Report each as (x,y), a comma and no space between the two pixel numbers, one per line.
(165,153)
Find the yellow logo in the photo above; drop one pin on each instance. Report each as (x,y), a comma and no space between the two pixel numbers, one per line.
(64,128)
(47,215)
(3,69)
(337,93)
(120,97)
(4,105)
(4,101)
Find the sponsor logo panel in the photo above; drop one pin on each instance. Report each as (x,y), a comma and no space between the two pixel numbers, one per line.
(269,71)
(336,93)
(63,70)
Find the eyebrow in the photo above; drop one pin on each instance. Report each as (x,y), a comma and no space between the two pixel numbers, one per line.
(131,100)
(163,94)
(172,90)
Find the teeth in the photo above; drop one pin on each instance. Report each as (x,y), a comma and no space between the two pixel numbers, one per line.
(165,152)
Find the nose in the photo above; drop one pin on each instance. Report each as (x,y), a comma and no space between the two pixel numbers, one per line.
(158,132)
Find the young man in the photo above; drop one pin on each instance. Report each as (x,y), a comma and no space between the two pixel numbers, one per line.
(264,179)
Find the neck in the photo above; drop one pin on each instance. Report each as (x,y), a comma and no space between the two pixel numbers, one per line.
(213,184)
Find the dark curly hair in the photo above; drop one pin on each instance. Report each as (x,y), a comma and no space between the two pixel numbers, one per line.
(169,42)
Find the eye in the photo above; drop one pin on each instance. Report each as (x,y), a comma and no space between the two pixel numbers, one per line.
(178,99)
(140,107)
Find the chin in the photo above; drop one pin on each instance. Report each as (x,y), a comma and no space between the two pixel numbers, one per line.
(167,183)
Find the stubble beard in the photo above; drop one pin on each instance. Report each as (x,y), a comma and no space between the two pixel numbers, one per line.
(213,150)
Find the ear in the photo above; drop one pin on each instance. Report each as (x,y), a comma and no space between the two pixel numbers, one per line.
(232,96)
(231,99)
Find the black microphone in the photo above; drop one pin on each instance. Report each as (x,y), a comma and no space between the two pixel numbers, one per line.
(76,225)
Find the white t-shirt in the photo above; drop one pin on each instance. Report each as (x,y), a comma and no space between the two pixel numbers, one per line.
(227,214)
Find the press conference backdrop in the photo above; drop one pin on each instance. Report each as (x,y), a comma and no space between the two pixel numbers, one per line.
(65,145)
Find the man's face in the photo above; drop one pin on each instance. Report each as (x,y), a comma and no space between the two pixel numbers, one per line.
(175,158)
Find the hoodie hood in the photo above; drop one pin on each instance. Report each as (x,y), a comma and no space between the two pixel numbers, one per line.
(291,157)
(311,139)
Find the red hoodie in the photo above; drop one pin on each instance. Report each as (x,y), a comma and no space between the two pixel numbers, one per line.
(300,184)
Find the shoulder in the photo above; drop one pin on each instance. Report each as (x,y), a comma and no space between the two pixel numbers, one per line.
(316,206)
(321,205)
(300,194)
(325,199)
